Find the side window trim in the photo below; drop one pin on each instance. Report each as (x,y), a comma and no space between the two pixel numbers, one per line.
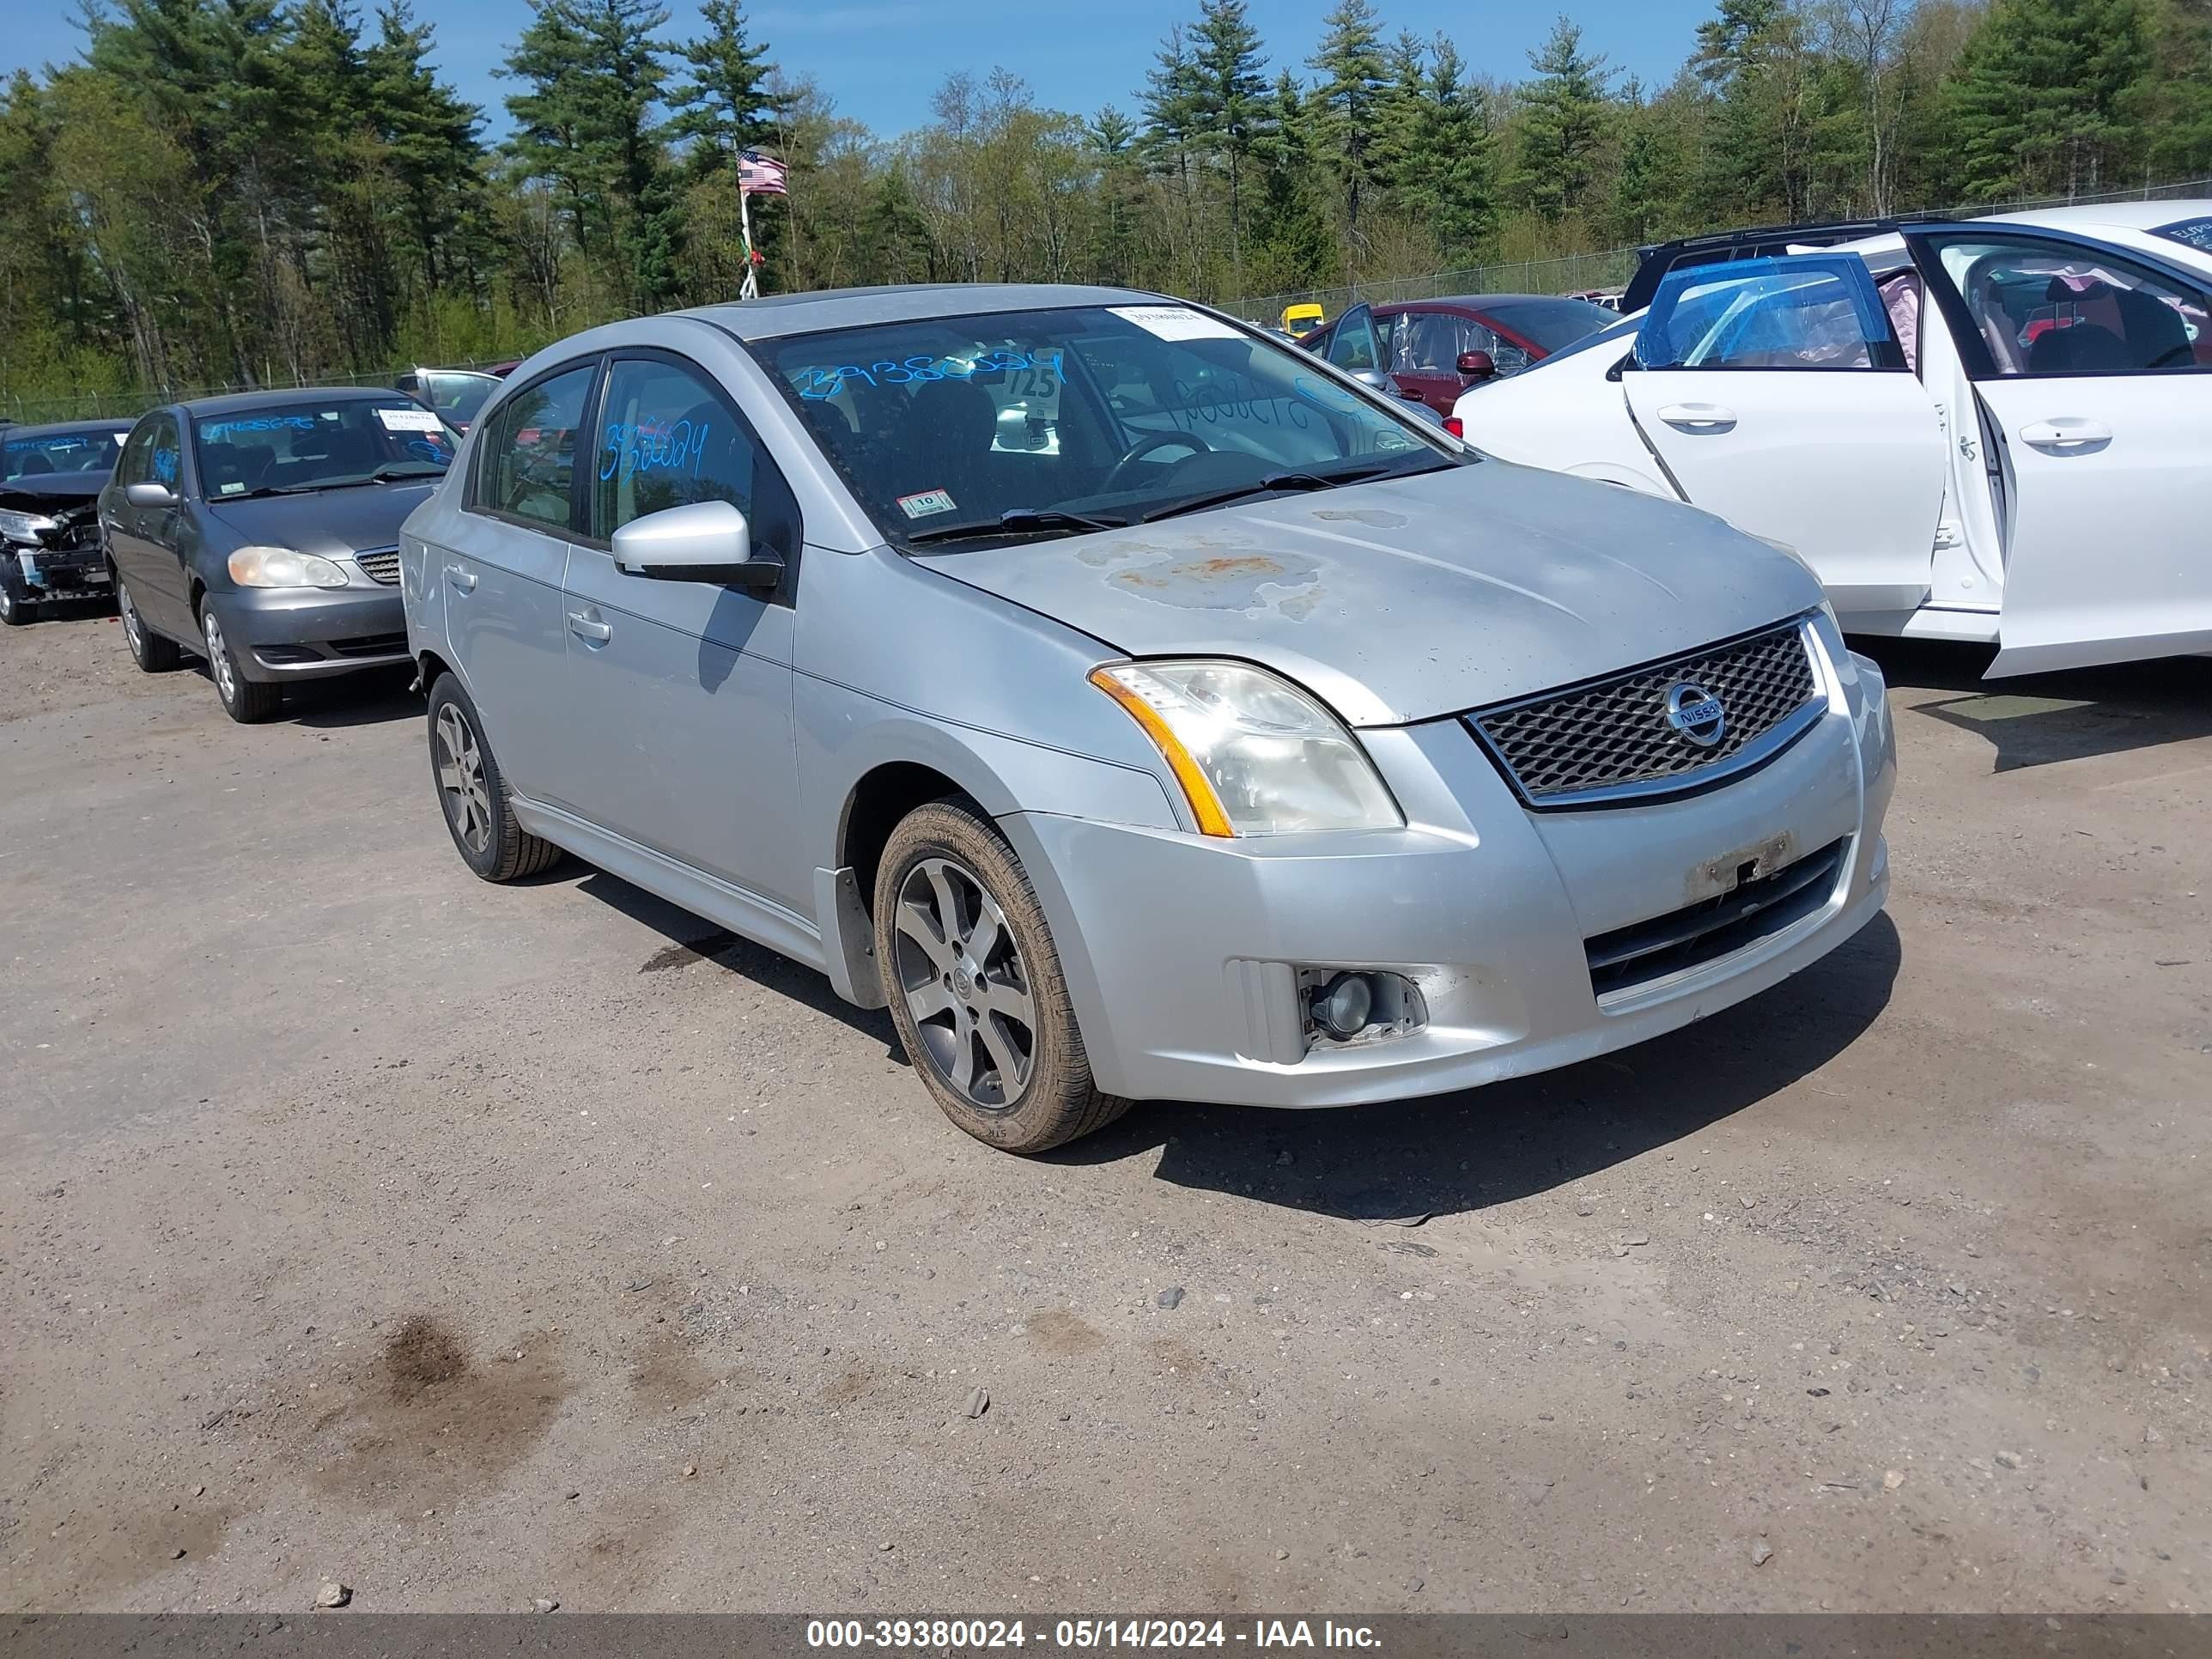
(487,422)
(1926,248)
(766,470)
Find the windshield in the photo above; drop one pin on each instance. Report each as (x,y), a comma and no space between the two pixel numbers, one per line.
(1103,414)
(1550,324)
(31,453)
(314,446)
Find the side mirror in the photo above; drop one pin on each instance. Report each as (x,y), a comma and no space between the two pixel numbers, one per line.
(1476,366)
(704,542)
(150,494)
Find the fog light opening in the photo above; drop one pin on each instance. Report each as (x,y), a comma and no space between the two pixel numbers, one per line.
(1357,1005)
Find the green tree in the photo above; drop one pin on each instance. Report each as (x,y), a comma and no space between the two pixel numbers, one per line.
(1348,103)
(1231,108)
(1563,118)
(2049,96)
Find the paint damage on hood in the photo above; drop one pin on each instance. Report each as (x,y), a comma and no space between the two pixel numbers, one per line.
(1404,599)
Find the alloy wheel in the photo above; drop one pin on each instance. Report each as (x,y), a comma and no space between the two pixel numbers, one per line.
(225,677)
(965,983)
(133,630)
(461,787)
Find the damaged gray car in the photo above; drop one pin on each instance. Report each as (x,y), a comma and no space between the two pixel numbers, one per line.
(50,477)
(1134,704)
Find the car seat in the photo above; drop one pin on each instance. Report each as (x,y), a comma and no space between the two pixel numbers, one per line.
(36,463)
(2079,348)
(952,426)
(2156,336)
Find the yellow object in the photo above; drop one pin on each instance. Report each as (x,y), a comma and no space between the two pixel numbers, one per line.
(1299,321)
(1205,805)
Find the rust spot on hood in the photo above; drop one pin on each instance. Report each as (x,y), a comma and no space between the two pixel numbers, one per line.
(1252,583)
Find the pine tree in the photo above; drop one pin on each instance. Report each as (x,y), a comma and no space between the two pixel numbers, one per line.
(1348,101)
(726,107)
(2049,96)
(1562,118)
(1290,236)
(1231,109)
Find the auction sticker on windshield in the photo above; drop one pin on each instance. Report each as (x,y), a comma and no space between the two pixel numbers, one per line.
(1175,322)
(921,505)
(408,420)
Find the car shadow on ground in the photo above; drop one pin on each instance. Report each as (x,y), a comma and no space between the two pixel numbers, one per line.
(1404,1161)
(369,698)
(2039,719)
(693,938)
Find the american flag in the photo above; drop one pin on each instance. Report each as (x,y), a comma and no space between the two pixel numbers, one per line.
(760,175)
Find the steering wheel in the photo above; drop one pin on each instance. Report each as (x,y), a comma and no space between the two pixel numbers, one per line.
(1115,479)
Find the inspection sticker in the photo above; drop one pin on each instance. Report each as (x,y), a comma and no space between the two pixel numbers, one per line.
(408,420)
(1175,322)
(926,502)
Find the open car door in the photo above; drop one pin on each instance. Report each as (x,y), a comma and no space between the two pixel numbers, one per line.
(2094,369)
(1774,392)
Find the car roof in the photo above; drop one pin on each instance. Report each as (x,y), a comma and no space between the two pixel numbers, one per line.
(2116,215)
(63,428)
(778,315)
(242,402)
(1477,301)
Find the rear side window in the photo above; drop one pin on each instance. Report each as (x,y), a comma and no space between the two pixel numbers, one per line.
(528,458)
(1802,312)
(666,439)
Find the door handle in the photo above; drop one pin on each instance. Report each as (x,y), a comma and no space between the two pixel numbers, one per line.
(1698,417)
(463,579)
(2065,433)
(584,626)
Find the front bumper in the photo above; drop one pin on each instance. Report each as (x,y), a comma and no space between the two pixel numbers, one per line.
(1182,953)
(313,633)
(59,573)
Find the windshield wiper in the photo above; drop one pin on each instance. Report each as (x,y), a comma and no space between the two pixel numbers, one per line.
(1270,484)
(1018,521)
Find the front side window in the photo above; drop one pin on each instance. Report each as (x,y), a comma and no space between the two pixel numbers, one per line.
(1354,345)
(1429,342)
(292,448)
(1112,413)
(161,451)
(1802,312)
(666,439)
(528,462)
(2048,308)
(456,397)
(31,453)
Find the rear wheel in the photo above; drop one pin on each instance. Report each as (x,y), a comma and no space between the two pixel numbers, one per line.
(154,654)
(472,791)
(247,702)
(976,987)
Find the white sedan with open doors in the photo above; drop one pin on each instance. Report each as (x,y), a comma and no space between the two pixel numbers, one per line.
(1997,430)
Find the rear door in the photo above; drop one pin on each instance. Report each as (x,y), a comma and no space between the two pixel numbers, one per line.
(1774,392)
(503,608)
(2094,370)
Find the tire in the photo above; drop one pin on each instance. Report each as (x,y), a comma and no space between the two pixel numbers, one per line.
(154,654)
(16,608)
(472,791)
(249,702)
(962,1016)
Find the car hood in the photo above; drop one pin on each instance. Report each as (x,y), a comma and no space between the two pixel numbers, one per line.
(1402,599)
(329,521)
(51,492)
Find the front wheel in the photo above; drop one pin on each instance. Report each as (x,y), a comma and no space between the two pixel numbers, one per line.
(473,794)
(247,702)
(976,987)
(16,610)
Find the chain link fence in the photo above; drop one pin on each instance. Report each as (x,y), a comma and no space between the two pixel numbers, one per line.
(1610,269)
(129,404)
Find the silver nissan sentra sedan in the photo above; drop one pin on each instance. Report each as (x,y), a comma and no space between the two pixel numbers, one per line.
(1134,703)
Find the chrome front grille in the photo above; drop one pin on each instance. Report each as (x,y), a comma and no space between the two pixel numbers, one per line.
(1611,739)
(380,565)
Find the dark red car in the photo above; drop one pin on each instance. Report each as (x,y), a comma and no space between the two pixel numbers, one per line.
(1432,351)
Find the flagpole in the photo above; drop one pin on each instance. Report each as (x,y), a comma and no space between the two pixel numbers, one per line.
(749,289)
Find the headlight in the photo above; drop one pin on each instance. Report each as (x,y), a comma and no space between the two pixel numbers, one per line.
(1255,754)
(24,526)
(280,567)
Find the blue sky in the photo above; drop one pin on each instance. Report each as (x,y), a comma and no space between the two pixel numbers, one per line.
(881,59)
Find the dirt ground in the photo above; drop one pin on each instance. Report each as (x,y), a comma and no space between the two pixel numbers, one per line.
(473,1245)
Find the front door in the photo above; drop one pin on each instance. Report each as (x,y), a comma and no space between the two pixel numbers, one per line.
(2095,370)
(1775,394)
(678,693)
(502,595)
(144,539)
(1425,352)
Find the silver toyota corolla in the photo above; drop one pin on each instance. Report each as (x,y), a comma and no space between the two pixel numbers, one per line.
(1134,703)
